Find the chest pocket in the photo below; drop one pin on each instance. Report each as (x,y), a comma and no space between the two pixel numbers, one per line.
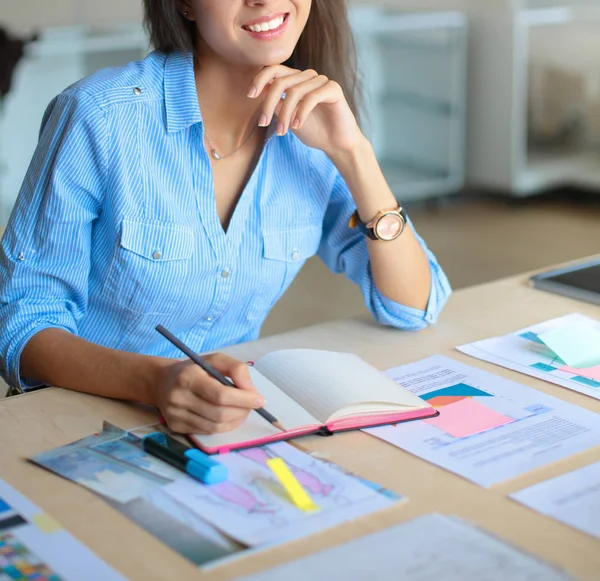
(151,266)
(284,254)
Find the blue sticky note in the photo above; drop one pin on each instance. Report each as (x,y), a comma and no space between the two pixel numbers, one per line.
(577,344)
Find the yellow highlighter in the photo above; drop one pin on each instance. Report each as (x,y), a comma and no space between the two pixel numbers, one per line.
(298,495)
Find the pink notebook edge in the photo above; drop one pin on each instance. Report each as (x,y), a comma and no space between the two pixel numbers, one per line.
(337,426)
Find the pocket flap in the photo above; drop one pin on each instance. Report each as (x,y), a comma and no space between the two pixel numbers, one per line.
(294,245)
(158,240)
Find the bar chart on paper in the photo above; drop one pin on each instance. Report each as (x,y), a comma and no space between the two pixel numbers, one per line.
(525,352)
(489,429)
(453,394)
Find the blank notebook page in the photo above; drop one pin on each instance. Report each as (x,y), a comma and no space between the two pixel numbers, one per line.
(287,411)
(323,382)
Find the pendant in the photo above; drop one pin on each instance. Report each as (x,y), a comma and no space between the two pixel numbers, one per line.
(216,154)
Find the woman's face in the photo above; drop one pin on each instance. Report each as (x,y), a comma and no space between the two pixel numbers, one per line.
(254,33)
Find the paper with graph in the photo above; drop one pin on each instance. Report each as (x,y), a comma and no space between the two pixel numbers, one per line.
(524,351)
(253,507)
(489,429)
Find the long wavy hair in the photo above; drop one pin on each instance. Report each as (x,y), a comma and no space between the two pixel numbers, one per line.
(326,44)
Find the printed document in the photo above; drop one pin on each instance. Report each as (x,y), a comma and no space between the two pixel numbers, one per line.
(429,548)
(34,546)
(524,351)
(573,499)
(527,428)
(253,508)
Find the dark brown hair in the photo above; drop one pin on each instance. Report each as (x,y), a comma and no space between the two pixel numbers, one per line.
(326,44)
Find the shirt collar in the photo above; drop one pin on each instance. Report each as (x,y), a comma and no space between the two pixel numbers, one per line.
(181,96)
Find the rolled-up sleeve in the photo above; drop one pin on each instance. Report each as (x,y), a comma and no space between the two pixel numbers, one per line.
(45,251)
(344,250)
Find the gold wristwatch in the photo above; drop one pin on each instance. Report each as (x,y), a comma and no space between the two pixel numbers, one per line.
(386,225)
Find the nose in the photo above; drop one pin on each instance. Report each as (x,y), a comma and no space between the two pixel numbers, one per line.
(259,3)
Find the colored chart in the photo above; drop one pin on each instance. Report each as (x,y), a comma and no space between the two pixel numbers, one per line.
(17,562)
(532,337)
(585,376)
(453,394)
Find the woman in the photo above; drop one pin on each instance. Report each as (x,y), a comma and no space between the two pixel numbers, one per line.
(187,190)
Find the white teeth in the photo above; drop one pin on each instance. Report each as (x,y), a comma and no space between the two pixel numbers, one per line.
(266,26)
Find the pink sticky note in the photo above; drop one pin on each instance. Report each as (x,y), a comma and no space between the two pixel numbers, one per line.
(467,417)
(589,372)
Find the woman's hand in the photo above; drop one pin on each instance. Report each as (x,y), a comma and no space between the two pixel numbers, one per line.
(314,108)
(192,402)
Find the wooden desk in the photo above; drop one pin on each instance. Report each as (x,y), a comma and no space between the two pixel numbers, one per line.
(33,423)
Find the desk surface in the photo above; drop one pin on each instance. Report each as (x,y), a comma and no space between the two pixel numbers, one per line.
(33,423)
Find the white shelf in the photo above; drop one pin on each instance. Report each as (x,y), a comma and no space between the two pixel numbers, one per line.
(551,169)
(512,40)
(559,16)
(409,184)
(413,68)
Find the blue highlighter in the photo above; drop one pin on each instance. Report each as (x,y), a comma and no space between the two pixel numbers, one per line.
(189,460)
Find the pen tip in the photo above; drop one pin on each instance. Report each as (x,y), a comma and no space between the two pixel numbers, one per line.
(279,426)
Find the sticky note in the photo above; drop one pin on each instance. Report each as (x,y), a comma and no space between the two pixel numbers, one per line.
(467,417)
(298,495)
(589,372)
(46,523)
(577,344)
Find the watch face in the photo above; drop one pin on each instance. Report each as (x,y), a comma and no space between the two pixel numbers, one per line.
(389,226)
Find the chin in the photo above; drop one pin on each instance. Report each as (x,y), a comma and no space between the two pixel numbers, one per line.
(268,56)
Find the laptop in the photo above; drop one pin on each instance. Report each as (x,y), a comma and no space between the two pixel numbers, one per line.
(581,281)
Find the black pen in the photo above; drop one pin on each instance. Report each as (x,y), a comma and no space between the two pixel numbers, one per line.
(213,372)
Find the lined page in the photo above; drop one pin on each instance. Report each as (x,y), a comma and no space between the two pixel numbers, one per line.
(285,409)
(326,382)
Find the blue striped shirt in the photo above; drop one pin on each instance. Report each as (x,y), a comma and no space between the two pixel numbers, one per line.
(115,229)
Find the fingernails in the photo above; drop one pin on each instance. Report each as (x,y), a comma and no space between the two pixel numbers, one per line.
(280,128)
(260,402)
(263,121)
(252,92)
(296,123)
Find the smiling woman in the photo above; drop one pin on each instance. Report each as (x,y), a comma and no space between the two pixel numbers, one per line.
(188,190)
(326,43)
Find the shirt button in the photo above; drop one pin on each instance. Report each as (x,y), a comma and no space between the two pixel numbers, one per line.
(295,255)
(157,255)
(21,256)
(225,273)
(208,319)
(137,91)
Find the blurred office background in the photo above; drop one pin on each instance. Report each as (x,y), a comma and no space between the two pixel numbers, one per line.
(485,115)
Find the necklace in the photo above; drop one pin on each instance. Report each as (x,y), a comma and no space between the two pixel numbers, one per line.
(214,152)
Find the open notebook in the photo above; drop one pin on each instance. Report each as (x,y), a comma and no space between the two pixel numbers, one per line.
(312,391)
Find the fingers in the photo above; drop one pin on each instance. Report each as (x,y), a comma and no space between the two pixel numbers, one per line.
(186,422)
(274,94)
(182,399)
(267,76)
(287,115)
(194,402)
(214,392)
(232,368)
(329,93)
